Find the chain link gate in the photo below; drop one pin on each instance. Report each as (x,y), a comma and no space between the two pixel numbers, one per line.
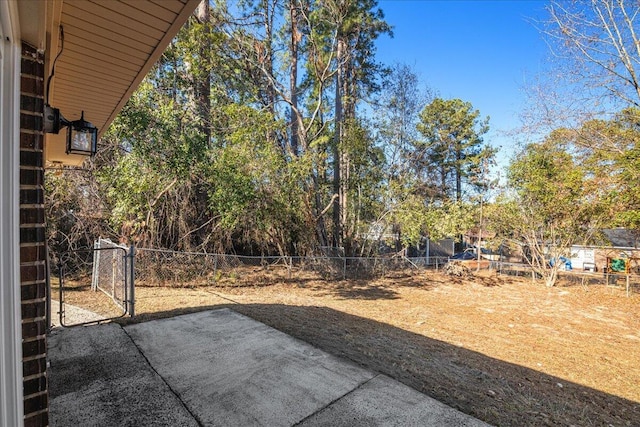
(96,285)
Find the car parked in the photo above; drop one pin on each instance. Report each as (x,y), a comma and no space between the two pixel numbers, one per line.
(467,255)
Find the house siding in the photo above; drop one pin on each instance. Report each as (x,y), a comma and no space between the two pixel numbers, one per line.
(33,284)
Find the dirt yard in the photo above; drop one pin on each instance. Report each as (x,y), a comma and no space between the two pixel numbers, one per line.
(505,350)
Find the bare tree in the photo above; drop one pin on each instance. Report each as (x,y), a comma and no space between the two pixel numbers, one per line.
(598,42)
(593,71)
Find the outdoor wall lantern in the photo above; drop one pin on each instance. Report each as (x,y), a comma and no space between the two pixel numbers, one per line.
(82,136)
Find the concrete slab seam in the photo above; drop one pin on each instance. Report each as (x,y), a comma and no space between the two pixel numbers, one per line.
(175,393)
(336,400)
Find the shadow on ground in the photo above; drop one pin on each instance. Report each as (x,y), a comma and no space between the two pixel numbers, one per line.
(354,289)
(492,390)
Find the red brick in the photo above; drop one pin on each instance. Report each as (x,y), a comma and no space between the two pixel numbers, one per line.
(32,234)
(35,385)
(39,420)
(34,348)
(31,103)
(32,273)
(29,51)
(33,309)
(33,291)
(31,216)
(31,67)
(32,253)
(35,404)
(31,141)
(32,90)
(34,329)
(33,367)
(31,121)
(31,177)
(31,158)
(32,85)
(32,196)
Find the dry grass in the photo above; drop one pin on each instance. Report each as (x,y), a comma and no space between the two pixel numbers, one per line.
(508,351)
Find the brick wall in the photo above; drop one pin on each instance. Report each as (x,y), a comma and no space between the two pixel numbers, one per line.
(32,239)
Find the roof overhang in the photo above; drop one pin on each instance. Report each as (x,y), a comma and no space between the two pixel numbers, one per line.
(109,46)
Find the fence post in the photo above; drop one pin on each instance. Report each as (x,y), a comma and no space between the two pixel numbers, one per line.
(628,284)
(47,267)
(61,292)
(114,271)
(96,266)
(428,251)
(132,277)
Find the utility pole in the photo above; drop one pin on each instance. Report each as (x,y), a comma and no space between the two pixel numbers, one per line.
(483,172)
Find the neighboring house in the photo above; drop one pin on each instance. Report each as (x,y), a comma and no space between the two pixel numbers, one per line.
(596,258)
(615,243)
(389,243)
(621,237)
(611,244)
(108,48)
(438,248)
(475,236)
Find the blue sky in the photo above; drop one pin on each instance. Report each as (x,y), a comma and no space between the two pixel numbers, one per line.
(482,52)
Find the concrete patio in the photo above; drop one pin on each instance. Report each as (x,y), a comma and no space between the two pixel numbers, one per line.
(220,368)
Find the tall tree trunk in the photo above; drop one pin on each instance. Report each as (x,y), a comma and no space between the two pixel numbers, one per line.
(269,11)
(337,154)
(293,77)
(203,85)
(321,227)
(349,93)
(344,155)
(174,81)
(202,89)
(458,172)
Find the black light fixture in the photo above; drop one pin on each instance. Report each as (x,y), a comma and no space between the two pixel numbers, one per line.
(82,136)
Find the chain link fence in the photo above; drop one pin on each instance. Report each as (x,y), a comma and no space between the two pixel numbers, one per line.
(91,284)
(630,282)
(110,271)
(158,267)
